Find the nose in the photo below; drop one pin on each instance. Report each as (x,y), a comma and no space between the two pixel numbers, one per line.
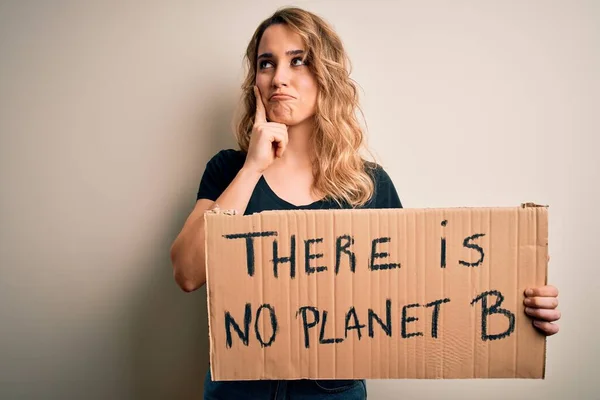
(282,76)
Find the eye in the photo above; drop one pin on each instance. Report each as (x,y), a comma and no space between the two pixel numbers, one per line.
(302,62)
(262,64)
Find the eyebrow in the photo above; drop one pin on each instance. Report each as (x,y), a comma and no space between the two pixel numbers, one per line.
(288,53)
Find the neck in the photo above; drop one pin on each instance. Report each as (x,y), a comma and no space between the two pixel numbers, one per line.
(298,150)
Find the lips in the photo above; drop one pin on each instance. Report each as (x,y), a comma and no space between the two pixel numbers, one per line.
(280,96)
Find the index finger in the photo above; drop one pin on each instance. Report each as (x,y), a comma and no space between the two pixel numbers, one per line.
(260,115)
(542,291)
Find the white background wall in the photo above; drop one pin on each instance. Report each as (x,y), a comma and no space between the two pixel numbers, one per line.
(110,110)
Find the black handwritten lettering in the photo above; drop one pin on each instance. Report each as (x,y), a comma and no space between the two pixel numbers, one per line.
(250,245)
(443,248)
(474,247)
(343,248)
(322,339)
(357,325)
(495,309)
(280,260)
(406,319)
(435,315)
(306,324)
(273,321)
(387,327)
(375,254)
(230,322)
(309,256)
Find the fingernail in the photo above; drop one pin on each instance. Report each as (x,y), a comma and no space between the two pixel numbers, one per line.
(529,292)
(536,323)
(527,310)
(527,302)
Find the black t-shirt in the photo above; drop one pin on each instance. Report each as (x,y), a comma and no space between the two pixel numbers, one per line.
(225,165)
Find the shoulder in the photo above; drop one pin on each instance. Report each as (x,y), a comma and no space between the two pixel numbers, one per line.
(381,179)
(385,194)
(220,170)
(228,159)
(377,173)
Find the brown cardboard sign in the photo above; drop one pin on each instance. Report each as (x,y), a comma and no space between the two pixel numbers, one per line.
(401,293)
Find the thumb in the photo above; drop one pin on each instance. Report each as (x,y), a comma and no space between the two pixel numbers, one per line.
(260,115)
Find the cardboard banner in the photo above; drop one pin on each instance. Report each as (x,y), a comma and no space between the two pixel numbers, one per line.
(402,293)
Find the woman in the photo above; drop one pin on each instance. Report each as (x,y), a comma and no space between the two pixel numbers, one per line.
(300,143)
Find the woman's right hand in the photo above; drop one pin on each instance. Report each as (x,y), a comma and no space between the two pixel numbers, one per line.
(268,140)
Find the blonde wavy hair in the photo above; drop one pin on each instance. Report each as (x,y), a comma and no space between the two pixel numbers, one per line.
(340,173)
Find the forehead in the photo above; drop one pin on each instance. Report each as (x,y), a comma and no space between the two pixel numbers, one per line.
(278,39)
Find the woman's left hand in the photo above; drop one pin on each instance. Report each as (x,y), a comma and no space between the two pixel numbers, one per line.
(541,305)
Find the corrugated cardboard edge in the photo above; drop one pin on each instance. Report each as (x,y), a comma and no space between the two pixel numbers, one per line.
(211,344)
(210,336)
(534,205)
(530,204)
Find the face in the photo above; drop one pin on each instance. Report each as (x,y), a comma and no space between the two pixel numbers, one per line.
(280,69)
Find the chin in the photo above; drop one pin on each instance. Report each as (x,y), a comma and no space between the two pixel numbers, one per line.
(284,120)
(287,120)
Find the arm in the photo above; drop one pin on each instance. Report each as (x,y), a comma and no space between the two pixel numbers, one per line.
(268,141)
(187,251)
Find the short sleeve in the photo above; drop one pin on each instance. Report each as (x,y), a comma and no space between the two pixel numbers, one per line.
(386,193)
(219,172)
